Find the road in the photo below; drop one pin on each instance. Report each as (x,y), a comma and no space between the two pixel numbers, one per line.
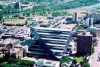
(94,62)
(62,20)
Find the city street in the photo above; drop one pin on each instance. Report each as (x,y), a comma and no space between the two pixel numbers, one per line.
(94,57)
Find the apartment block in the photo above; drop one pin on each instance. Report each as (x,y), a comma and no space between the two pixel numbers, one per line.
(84,43)
(95,16)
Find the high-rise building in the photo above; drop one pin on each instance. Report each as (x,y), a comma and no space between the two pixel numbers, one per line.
(87,22)
(75,17)
(13,3)
(84,43)
(95,16)
(17,5)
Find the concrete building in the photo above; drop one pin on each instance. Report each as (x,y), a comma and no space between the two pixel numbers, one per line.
(97,25)
(47,63)
(12,3)
(17,5)
(84,43)
(10,48)
(45,25)
(18,33)
(95,16)
(87,22)
(8,43)
(71,45)
(15,52)
(77,17)
(93,31)
(50,43)
(70,48)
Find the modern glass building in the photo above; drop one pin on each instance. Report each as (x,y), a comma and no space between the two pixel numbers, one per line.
(50,43)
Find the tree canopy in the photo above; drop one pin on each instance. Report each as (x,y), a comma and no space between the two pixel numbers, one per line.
(86,64)
(65,59)
(12,62)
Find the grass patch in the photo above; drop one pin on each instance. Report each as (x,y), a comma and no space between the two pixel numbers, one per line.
(14,19)
(29,22)
(79,59)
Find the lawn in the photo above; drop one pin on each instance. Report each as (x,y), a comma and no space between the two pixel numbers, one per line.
(14,21)
(79,59)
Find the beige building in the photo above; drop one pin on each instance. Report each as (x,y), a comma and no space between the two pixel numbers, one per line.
(15,52)
(8,43)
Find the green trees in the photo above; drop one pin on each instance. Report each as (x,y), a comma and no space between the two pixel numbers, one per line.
(2,60)
(59,14)
(11,65)
(27,63)
(25,2)
(26,22)
(86,64)
(44,9)
(56,14)
(12,62)
(39,1)
(1,16)
(27,13)
(4,65)
(65,59)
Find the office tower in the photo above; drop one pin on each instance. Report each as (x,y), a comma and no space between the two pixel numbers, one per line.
(75,17)
(84,43)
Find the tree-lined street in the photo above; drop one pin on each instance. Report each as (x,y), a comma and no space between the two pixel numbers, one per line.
(94,58)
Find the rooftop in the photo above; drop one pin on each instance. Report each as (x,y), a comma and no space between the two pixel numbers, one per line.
(29,58)
(53,29)
(8,41)
(47,63)
(15,50)
(85,34)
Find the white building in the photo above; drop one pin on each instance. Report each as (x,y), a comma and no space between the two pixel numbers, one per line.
(71,45)
(12,4)
(97,25)
(47,63)
(87,22)
(92,29)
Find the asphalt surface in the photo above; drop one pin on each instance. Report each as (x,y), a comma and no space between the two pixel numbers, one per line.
(94,59)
